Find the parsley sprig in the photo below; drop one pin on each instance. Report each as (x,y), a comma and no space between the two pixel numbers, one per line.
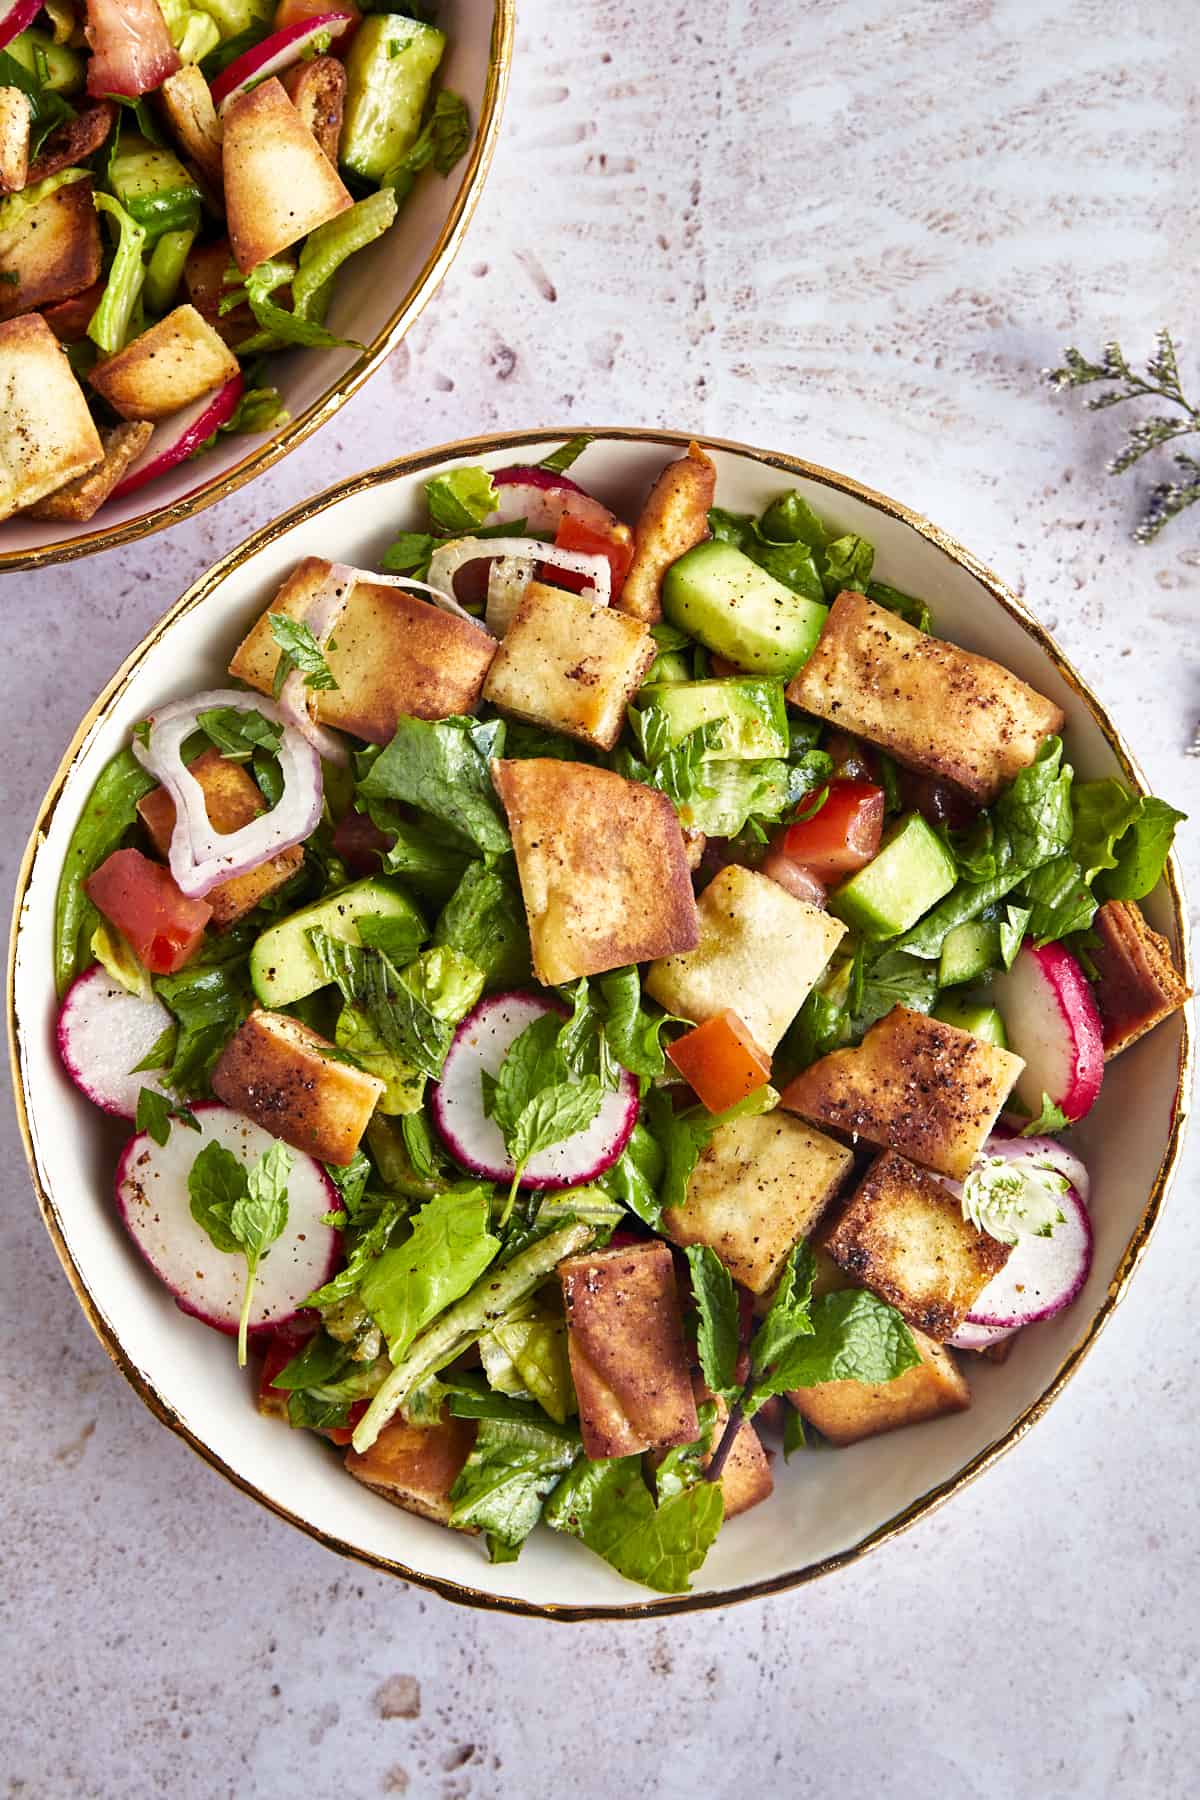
(1161,382)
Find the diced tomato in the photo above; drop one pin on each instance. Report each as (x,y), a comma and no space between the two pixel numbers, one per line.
(294,12)
(132,52)
(842,836)
(69,319)
(359,843)
(341,1434)
(721,1061)
(793,876)
(616,544)
(937,800)
(141,899)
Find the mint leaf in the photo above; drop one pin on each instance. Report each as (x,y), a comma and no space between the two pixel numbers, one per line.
(398,938)
(854,1337)
(531,1063)
(634,1178)
(794,1436)
(608,1507)
(682,1136)
(556,1113)
(373,1228)
(258,1217)
(299,649)
(155,1112)
(1051,1118)
(237,734)
(410,554)
(448,1248)
(461,499)
(716,1319)
(782,1334)
(484,919)
(513,1465)
(216,1182)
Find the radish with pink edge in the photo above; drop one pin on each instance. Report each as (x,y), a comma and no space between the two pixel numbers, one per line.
(979,1337)
(277,53)
(476,1142)
(210,1284)
(15,17)
(1050,1016)
(174,440)
(1043,1275)
(103,1033)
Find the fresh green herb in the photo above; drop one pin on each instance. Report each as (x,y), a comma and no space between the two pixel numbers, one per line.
(461,500)
(892,978)
(298,649)
(241,1209)
(418,1141)
(535,1100)
(678,770)
(155,1112)
(560,460)
(485,920)
(608,1507)
(683,1465)
(398,938)
(906,606)
(410,554)
(633,1181)
(47,108)
(1051,1118)
(1011,1200)
(794,1435)
(373,1228)
(1012,929)
(1058,900)
(443,768)
(237,734)
(160,1053)
(351,1180)
(717,1320)
(110,811)
(514,1463)
(448,1249)
(682,1136)
(208,1003)
(1160,383)
(443,141)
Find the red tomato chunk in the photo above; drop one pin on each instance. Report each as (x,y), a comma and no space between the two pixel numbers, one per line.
(617,545)
(843,836)
(721,1061)
(141,899)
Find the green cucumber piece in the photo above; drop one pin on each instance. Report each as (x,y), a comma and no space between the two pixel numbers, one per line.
(975,1016)
(283,965)
(752,715)
(59,69)
(669,666)
(388,71)
(738,611)
(736,790)
(969,952)
(912,872)
(164,271)
(154,188)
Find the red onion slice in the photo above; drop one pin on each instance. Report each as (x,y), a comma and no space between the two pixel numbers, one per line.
(543,499)
(449,558)
(200,856)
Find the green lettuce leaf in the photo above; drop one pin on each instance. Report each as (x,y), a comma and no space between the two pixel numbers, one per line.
(484,919)
(110,811)
(328,247)
(608,1507)
(443,768)
(110,326)
(1142,852)
(449,1248)
(461,499)
(514,1463)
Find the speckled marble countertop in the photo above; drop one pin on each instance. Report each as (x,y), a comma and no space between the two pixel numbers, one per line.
(854,230)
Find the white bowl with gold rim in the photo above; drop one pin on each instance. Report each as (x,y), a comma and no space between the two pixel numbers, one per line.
(376,297)
(827,1509)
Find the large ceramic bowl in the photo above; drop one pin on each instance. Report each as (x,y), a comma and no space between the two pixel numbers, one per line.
(376,298)
(827,1509)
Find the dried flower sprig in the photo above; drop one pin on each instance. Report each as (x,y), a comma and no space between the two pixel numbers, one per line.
(1161,382)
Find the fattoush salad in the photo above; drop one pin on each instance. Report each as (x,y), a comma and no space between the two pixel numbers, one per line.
(597,1005)
(180,185)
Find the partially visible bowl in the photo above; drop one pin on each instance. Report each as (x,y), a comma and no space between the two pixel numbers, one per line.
(828,1509)
(376,298)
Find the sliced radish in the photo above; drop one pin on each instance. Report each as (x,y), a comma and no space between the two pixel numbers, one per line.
(1044,1150)
(480,1045)
(1050,1016)
(103,1033)
(979,1337)
(275,54)
(15,16)
(542,498)
(176,438)
(152,1195)
(1043,1274)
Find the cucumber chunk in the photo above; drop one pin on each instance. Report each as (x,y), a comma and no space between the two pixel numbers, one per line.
(388,72)
(975,1016)
(283,965)
(911,873)
(970,951)
(752,715)
(738,611)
